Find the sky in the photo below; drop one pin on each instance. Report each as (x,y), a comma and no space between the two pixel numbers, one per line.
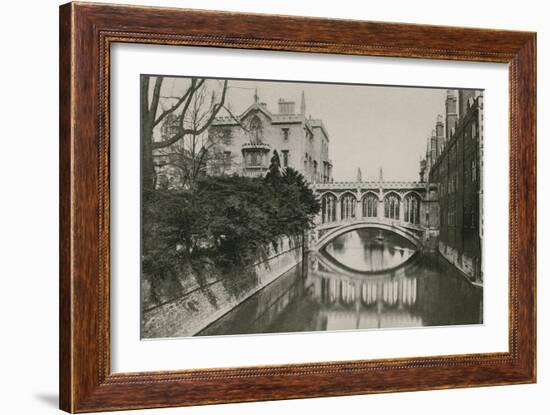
(369,126)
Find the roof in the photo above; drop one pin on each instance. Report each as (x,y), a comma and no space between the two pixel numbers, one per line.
(309,123)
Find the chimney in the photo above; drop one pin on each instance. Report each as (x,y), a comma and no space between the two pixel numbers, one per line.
(286,107)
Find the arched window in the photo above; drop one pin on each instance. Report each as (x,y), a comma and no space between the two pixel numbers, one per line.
(370,206)
(256,129)
(412,208)
(347,207)
(391,206)
(328,208)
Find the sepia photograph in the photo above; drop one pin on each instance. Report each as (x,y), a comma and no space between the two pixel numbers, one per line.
(277,206)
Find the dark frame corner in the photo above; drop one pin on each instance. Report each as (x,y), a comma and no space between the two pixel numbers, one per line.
(86,33)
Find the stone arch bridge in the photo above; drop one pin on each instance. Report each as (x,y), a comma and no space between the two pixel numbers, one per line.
(409,209)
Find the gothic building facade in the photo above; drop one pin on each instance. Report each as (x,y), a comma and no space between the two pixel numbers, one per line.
(302,142)
(454,161)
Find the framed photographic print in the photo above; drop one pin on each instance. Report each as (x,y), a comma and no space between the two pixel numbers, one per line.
(261,207)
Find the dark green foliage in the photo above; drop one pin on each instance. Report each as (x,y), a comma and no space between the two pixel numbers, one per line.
(223,222)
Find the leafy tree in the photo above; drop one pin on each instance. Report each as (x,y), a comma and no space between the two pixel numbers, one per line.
(228,221)
(307,198)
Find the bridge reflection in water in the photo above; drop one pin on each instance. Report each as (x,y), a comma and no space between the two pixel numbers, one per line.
(364,279)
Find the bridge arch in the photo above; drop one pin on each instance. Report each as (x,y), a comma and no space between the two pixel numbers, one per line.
(370,193)
(348,193)
(415,192)
(329,192)
(334,233)
(386,193)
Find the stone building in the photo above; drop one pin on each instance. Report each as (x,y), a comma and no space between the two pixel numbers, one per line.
(455,163)
(301,141)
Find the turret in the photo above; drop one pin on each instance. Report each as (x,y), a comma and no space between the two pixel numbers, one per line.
(433,147)
(303,104)
(451,112)
(440,135)
(464,95)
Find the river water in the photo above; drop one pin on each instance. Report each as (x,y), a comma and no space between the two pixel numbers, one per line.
(364,279)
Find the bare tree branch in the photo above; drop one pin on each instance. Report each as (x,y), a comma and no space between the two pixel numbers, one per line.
(193,131)
(189,93)
(237,120)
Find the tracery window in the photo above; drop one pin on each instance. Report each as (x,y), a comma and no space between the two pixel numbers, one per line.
(328,208)
(391,206)
(347,207)
(412,208)
(370,206)
(256,129)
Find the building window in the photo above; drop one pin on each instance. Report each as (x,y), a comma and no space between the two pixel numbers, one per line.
(370,206)
(412,208)
(328,208)
(391,206)
(474,171)
(285,158)
(347,207)
(256,129)
(254,159)
(315,167)
(474,130)
(227,160)
(451,215)
(286,133)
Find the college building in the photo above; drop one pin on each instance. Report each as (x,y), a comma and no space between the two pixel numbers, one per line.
(454,161)
(301,141)
(244,144)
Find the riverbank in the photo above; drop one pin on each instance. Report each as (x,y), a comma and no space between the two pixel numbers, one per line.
(462,263)
(191,312)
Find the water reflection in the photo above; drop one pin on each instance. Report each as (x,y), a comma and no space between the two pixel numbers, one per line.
(331,291)
(370,250)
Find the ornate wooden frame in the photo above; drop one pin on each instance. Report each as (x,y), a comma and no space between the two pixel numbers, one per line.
(86,33)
